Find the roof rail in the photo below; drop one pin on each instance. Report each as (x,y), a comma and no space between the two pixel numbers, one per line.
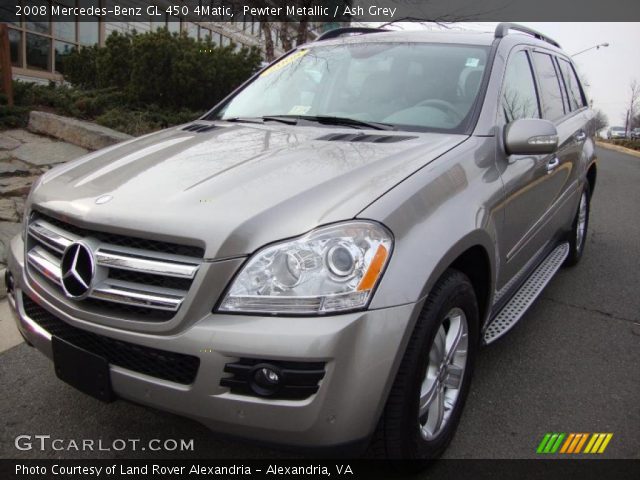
(338,32)
(502,30)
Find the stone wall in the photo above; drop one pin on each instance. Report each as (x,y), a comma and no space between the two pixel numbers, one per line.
(24,156)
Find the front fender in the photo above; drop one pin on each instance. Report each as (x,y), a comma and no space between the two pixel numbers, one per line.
(437,214)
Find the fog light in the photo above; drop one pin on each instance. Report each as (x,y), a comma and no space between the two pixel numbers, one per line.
(266,379)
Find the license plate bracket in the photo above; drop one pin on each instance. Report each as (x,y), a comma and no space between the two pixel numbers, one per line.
(82,369)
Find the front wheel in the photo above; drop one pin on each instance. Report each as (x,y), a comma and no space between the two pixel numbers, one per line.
(578,235)
(427,397)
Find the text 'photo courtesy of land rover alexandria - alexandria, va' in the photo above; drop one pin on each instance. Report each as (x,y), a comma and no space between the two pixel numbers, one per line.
(316,261)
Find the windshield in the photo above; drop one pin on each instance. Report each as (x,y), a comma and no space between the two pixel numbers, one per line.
(408,85)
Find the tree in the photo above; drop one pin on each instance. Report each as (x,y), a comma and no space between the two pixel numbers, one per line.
(290,34)
(633,105)
(600,120)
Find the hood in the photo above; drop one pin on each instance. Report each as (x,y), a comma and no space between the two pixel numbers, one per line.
(236,187)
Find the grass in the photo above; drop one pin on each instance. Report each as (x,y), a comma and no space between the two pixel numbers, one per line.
(626,143)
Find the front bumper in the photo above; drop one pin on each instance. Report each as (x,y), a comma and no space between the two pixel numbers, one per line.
(361,350)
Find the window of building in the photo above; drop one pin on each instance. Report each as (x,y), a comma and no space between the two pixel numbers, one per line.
(38,52)
(551,94)
(88,32)
(38,23)
(63,29)
(192,30)
(62,49)
(41,42)
(173,25)
(158,22)
(519,98)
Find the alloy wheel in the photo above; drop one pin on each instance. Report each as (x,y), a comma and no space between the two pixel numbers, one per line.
(440,388)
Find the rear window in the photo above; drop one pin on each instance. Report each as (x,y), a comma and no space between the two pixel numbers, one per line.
(576,99)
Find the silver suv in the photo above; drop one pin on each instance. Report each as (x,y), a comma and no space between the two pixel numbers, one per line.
(316,261)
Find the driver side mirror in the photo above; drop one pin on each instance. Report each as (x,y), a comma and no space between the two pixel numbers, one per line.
(530,136)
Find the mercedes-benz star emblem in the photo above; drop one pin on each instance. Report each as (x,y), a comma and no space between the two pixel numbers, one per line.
(77,269)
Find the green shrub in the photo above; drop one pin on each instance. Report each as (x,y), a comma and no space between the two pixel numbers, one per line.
(80,67)
(13,117)
(628,143)
(162,68)
(138,83)
(139,122)
(114,61)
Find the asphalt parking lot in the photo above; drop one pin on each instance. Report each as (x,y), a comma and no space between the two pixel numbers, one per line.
(571,365)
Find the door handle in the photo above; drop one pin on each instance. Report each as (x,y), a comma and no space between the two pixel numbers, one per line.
(581,136)
(553,164)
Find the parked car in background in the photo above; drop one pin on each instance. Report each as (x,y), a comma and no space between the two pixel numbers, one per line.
(317,260)
(615,133)
(635,133)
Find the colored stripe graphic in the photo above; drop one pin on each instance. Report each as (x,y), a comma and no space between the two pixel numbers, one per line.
(543,443)
(567,442)
(591,442)
(556,445)
(581,442)
(598,442)
(550,443)
(573,443)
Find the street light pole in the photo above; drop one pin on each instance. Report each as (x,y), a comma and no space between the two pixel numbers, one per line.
(597,47)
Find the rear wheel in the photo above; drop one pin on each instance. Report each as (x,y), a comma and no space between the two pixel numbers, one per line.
(578,235)
(428,394)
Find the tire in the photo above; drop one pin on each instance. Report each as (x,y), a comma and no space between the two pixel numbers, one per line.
(580,223)
(400,433)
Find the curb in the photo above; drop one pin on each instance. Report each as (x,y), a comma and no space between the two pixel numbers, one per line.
(618,148)
(78,132)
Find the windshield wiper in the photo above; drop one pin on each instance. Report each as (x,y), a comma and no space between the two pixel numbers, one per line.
(322,119)
(349,122)
(243,119)
(266,118)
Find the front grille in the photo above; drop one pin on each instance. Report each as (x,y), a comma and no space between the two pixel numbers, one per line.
(300,380)
(175,367)
(134,278)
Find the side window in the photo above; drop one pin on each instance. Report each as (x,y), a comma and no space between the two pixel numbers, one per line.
(519,98)
(551,94)
(576,99)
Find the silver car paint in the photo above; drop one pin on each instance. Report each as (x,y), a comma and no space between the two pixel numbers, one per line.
(234,189)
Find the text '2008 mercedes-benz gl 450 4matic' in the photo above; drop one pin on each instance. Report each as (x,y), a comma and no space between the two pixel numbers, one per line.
(316,261)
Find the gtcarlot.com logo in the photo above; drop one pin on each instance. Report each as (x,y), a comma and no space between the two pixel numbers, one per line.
(573,443)
(46,442)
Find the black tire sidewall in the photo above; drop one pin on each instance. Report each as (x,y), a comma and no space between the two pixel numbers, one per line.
(455,291)
(575,252)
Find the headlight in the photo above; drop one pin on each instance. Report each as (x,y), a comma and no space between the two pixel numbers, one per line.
(330,269)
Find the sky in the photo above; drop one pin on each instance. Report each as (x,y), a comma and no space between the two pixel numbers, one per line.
(607,71)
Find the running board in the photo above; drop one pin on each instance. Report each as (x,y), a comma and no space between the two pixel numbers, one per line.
(525,296)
